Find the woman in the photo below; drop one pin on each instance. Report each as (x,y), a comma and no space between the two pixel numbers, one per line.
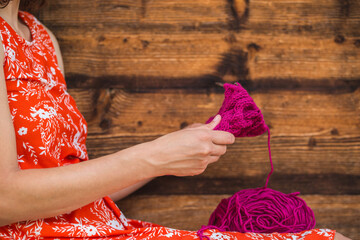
(48,188)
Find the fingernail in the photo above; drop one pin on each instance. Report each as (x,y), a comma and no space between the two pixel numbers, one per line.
(217,117)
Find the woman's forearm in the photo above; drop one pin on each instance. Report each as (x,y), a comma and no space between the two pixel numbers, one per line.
(128,190)
(40,193)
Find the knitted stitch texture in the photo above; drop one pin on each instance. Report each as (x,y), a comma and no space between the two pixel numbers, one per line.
(239,113)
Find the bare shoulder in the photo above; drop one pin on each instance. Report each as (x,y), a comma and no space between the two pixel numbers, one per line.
(57,49)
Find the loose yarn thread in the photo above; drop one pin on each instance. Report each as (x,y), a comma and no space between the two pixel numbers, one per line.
(260,210)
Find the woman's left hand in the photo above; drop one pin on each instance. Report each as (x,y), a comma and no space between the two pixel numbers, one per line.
(194,125)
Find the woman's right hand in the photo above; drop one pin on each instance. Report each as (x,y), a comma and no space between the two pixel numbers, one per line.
(189,151)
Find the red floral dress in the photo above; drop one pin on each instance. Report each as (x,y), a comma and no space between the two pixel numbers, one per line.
(51,132)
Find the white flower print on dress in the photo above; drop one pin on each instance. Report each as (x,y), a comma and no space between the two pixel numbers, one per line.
(76,144)
(41,113)
(254,236)
(22,131)
(115,224)
(12,97)
(306,233)
(90,230)
(325,232)
(31,151)
(20,160)
(106,216)
(123,219)
(11,54)
(219,236)
(13,113)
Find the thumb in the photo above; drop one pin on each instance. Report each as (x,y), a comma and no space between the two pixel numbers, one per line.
(214,122)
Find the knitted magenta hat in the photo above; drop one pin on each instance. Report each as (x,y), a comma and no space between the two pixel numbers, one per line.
(239,113)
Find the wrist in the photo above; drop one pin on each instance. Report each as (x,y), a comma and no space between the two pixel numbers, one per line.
(143,156)
(153,155)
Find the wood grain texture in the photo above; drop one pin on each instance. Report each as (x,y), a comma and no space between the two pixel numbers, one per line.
(198,60)
(190,212)
(184,44)
(322,183)
(288,113)
(321,17)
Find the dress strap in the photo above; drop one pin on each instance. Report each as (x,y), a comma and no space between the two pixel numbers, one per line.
(39,33)
(28,21)
(32,53)
(6,37)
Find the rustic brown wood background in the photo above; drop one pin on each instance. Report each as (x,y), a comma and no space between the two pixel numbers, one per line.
(139,69)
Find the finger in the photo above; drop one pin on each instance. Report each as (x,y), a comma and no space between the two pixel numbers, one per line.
(214,122)
(222,137)
(194,125)
(218,150)
(213,159)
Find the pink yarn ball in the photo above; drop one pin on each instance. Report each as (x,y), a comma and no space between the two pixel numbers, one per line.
(262,210)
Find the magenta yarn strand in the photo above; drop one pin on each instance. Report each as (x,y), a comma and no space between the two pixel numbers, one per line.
(260,210)
(271,162)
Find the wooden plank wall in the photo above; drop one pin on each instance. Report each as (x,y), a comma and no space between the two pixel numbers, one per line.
(139,69)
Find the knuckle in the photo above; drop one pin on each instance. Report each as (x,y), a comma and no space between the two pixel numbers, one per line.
(204,163)
(204,135)
(197,171)
(223,150)
(201,170)
(216,158)
(205,150)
